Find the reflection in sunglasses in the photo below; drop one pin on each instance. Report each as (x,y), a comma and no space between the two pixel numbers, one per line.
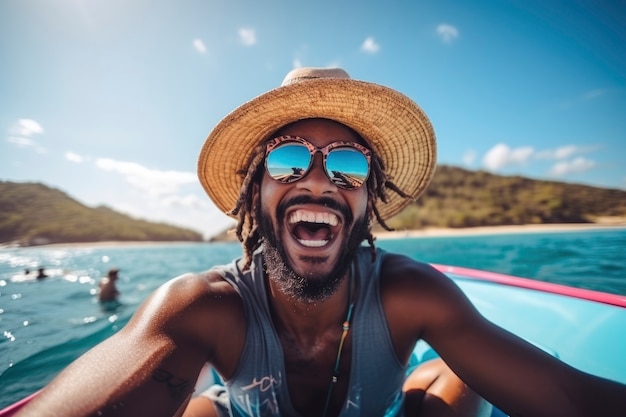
(289,158)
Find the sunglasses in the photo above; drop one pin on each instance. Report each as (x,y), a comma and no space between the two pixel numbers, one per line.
(289,159)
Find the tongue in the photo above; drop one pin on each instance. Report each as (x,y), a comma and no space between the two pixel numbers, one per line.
(311,232)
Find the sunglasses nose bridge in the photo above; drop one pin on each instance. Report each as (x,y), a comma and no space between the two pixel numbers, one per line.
(317,161)
(316,180)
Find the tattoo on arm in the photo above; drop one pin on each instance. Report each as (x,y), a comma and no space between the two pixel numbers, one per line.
(178,387)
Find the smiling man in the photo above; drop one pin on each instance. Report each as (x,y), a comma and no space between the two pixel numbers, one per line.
(310,322)
(310,234)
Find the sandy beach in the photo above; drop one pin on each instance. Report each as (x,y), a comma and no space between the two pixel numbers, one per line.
(399,234)
(494,230)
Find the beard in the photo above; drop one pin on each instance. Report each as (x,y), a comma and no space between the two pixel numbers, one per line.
(309,287)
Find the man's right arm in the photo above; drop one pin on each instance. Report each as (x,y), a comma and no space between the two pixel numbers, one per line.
(150,366)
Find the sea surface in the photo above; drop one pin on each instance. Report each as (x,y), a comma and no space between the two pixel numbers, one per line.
(46,324)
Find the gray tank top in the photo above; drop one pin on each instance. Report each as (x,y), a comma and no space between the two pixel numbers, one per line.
(258,386)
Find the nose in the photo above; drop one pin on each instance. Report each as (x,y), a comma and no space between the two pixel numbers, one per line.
(316,181)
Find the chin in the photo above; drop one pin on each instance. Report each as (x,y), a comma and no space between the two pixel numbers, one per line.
(314,284)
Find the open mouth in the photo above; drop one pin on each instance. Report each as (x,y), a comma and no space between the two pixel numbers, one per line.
(313,229)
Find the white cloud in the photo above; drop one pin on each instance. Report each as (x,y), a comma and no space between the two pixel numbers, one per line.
(447,33)
(199,46)
(566,151)
(21,141)
(188,201)
(501,156)
(22,131)
(159,196)
(577,165)
(74,157)
(26,127)
(562,152)
(370,46)
(247,36)
(153,182)
(203,217)
(469,157)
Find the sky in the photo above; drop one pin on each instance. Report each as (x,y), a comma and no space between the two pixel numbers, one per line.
(110,100)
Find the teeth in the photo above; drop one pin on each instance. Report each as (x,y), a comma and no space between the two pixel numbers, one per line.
(313,217)
(313,243)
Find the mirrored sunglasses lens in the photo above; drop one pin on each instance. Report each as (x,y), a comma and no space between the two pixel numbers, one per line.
(288,162)
(347,168)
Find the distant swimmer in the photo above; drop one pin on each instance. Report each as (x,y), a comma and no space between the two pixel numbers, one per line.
(41,273)
(108,290)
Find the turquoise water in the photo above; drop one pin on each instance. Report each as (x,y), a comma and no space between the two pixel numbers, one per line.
(46,324)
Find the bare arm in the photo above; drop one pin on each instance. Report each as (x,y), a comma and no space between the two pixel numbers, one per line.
(522,379)
(150,366)
(512,374)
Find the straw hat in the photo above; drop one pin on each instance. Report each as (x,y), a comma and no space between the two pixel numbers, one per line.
(392,124)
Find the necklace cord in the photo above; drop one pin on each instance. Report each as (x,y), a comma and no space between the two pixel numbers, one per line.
(344,336)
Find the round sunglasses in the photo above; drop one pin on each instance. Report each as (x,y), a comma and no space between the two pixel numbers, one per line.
(289,159)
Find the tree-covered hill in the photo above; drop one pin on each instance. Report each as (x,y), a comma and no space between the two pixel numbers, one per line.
(461,198)
(33,213)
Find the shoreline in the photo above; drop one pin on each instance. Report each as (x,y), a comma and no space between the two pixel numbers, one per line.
(107,244)
(382,235)
(497,230)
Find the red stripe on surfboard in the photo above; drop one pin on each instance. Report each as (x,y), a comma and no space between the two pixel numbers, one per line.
(549,287)
(15,407)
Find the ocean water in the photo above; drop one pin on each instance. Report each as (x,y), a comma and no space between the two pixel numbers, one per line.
(46,324)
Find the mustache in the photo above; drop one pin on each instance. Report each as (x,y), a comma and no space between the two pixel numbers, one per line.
(321,201)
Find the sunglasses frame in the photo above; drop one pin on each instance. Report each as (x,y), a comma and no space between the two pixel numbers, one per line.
(325,151)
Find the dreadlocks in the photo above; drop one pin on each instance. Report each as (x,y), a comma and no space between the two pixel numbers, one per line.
(247,230)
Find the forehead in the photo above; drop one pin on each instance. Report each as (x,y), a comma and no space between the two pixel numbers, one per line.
(321,132)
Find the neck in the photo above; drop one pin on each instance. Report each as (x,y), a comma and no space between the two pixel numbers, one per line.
(306,320)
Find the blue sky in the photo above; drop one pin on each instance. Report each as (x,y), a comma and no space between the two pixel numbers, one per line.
(110,100)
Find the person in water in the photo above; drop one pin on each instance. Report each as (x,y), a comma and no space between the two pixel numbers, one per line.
(310,321)
(41,273)
(108,291)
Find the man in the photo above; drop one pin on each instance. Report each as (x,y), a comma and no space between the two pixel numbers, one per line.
(108,291)
(309,322)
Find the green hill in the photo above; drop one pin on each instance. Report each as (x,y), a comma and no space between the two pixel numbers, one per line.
(462,198)
(32,213)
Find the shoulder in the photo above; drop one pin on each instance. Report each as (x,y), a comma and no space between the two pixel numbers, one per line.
(194,306)
(198,284)
(418,298)
(206,291)
(401,273)
(198,314)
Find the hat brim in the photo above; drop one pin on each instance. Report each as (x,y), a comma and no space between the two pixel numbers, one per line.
(392,124)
